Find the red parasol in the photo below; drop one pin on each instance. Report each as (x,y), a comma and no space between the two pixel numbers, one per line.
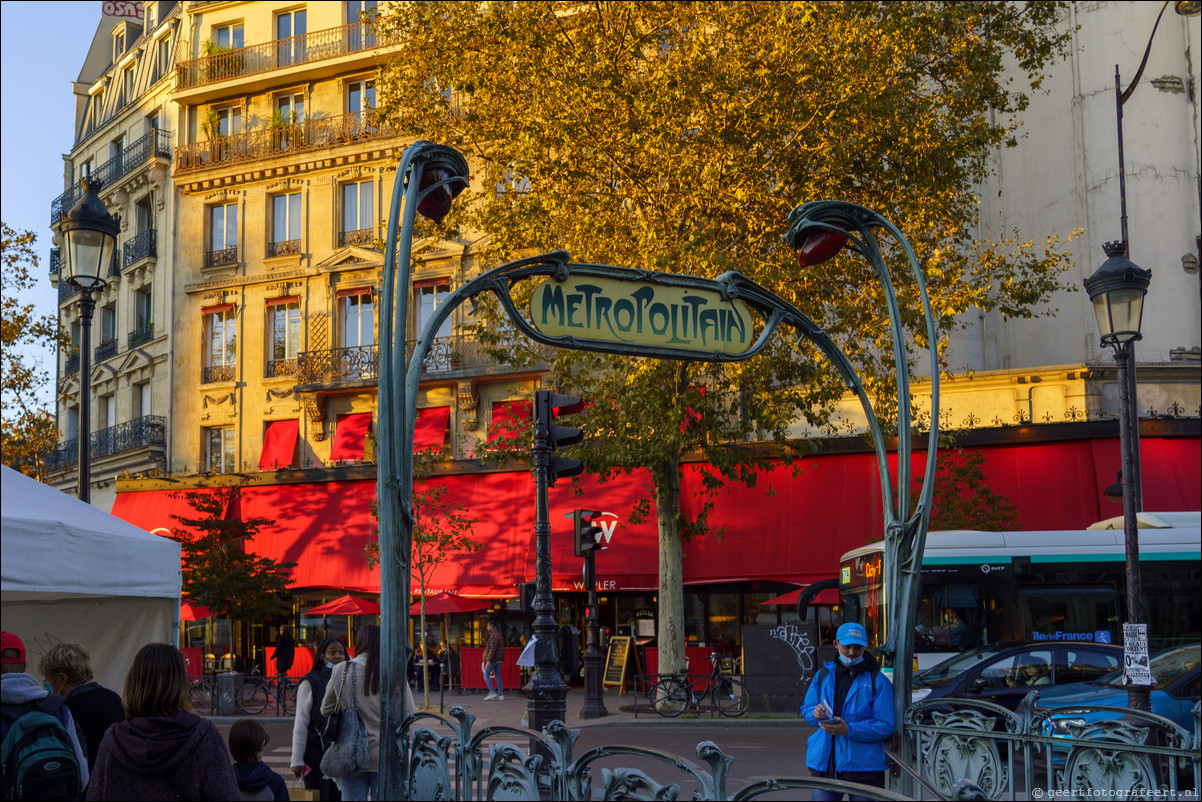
(345,605)
(192,612)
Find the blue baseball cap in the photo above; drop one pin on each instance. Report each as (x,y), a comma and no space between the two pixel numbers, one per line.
(852,635)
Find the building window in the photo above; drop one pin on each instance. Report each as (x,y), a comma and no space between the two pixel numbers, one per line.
(221,343)
(360,35)
(107,346)
(127,85)
(285,225)
(284,336)
(427,295)
(162,57)
(228,120)
(116,148)
(223,235)
(72,423)
(219,449)
(228,37)
(85,169)
(289,109)
(143,320)
(108,411)
(290,37)
(357,318)
(118,45)
(358,214)
(142,399)
(360,96)
(152,15)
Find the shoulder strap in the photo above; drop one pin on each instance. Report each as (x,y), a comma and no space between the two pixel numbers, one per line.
(353,669)
(820,677)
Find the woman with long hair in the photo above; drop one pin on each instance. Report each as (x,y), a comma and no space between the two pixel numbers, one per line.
(162,750)
(367,699)
(307,744)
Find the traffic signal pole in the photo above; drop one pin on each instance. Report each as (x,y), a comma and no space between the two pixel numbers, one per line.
(548,697)
(594,693)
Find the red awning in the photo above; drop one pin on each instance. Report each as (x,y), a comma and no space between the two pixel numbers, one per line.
(506,416)
(825,596)
(350,436)
(430,429)
(279,444)
(158,511)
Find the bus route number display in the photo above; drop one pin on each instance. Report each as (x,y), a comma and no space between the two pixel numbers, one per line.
(1136,670)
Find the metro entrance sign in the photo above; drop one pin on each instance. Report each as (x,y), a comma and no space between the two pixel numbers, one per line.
(641,313)
(636,312)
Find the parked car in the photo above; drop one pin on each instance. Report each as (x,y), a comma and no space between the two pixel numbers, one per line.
(1178,675)
(1004,673)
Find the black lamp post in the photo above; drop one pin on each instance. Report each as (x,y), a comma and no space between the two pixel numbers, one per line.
(1117,290)
(91,234)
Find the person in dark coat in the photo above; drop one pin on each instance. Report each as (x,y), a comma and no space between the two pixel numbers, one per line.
(255,778)
(285,651)
(162,750)
(68,669)
(307,744)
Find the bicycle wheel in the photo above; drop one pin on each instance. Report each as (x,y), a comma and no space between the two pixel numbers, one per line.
(200,694)
(288,695)
(670,696)
(252,698)
(733,698)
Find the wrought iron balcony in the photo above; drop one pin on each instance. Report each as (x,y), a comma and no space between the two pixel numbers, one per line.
(115,265)
(56,261)
(360,236)
(337,365)
(145,432)
(288,247)
(66,291)
(106,349)
(216,373)
(318,133)
(154,145)
(276,55)
(143,334)
(140,246)
(225,256)
(280,368)
(71,366)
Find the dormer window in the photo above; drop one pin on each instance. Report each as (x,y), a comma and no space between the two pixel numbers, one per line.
(118,44)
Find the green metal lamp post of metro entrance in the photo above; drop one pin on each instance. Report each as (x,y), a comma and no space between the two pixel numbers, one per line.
(428,180)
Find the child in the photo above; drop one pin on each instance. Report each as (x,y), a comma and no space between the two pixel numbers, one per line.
(255,779)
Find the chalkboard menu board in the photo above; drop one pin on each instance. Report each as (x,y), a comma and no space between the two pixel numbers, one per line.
(615,665)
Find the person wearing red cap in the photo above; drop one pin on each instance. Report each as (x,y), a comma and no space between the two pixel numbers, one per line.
(20,690)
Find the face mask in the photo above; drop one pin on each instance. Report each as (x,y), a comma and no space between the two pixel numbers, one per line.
(329,665)
(847,661)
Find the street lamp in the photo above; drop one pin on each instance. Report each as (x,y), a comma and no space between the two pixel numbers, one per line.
(91,234)
(1117,291)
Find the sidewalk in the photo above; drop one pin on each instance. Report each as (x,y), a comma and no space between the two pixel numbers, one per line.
(509,712)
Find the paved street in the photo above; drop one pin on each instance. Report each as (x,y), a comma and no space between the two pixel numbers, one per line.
(761,746)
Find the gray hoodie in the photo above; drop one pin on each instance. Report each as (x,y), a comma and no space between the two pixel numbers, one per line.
(19,689)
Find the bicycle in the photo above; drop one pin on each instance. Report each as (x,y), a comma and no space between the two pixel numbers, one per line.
(672,694)
(200,693)
(257,692)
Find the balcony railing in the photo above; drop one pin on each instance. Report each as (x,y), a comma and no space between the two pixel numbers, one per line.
(144,432)
(140,246)
(360,236)
(279,54)
(279,368)
(66,291)
(288,247)
(115,265)
(143,334)
(225,256)
(317,133)
(446,354)
(337,365)
(216,373)
(106,349)
(71,366)
(155,144)
(56,261)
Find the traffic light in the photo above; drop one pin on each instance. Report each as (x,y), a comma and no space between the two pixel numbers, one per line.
(526,592)
(547,405)
(586,534)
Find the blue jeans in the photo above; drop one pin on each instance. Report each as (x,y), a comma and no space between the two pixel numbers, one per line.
(492,678)
(356,786)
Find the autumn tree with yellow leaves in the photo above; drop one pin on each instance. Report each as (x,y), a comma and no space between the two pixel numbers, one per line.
(677,137)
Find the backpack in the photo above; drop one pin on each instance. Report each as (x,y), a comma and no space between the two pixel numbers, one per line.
(39,760)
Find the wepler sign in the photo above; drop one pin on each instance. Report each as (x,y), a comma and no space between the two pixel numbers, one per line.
(613,311)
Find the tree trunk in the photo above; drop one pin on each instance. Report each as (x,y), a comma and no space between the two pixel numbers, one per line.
(671,634)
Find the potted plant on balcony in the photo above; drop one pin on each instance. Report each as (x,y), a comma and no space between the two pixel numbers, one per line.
(222,62)
(211,126)
(285,130)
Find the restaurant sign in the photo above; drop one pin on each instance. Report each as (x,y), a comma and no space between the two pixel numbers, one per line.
(639,313)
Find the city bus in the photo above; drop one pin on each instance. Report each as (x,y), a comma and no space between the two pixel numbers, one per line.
(981,588)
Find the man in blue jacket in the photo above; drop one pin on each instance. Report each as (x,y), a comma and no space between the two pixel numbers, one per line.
(851,704)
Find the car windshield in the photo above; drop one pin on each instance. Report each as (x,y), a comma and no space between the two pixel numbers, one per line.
(1166,667)
(957,665)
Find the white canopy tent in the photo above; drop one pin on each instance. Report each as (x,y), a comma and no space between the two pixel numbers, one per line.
(71,572)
